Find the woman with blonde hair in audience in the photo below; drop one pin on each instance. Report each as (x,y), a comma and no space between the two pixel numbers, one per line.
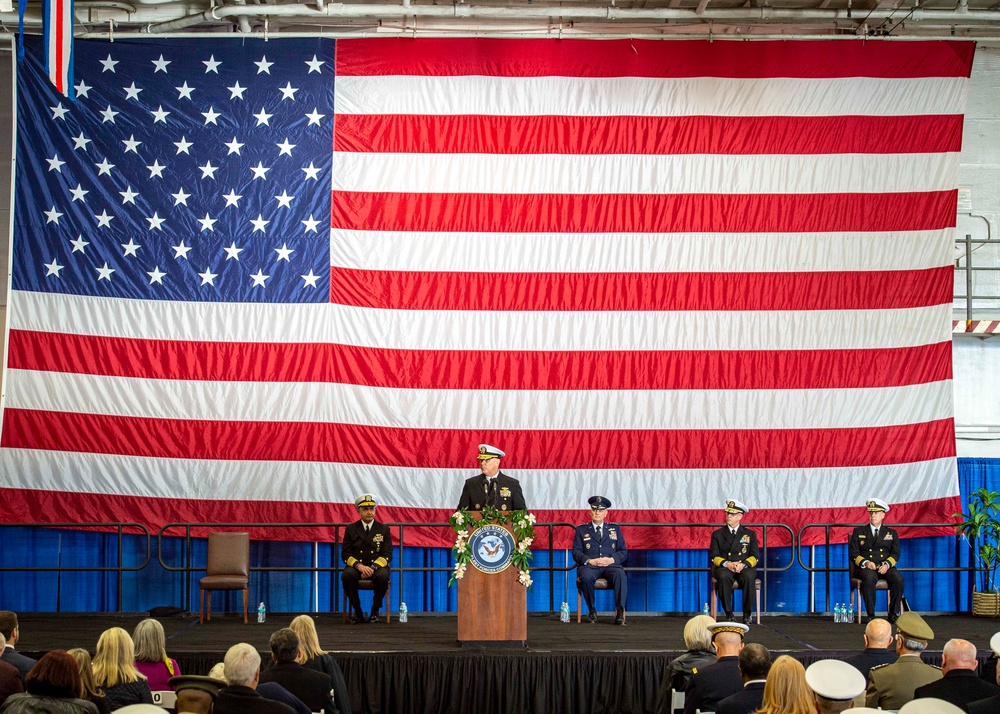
(115,671)
(786,691)
(313,657)
(151,655)
(53,687)
(91,692)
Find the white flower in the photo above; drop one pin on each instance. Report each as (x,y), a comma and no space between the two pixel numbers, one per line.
(522,523)
(459,518)
(459,571)
(522,546)
(463,534)
(531,518)
(524,577)
(461,547)
(527,542)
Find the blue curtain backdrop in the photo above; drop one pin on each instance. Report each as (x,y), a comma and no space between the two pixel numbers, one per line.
(791,590)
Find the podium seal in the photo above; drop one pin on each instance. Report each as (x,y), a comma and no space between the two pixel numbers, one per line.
(491,548)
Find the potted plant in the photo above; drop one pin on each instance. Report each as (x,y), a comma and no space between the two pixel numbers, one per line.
(981,528)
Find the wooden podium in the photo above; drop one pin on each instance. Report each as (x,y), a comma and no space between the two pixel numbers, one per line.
(492,607)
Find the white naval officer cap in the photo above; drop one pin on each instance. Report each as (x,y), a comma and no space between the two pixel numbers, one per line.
(876,504)
(487,452)
(835,680)
(930,705)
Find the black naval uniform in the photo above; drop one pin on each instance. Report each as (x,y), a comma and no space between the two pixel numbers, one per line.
(504,493)
(711,685)
(885,549)
(372,548)
(741,547)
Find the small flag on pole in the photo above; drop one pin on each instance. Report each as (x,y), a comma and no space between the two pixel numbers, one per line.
(59,44)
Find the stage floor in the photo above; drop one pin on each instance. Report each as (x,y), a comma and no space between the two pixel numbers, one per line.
(419,666)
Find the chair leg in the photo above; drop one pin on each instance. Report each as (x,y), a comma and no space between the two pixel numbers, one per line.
(388,604)
(579,607)
(714,609)
(208,611)
(758,604)
(201,608)
(246,602)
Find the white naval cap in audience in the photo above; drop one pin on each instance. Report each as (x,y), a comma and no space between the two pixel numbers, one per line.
(835,680)
(930,705)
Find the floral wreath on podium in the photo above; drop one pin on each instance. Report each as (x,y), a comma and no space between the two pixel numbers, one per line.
(521,523)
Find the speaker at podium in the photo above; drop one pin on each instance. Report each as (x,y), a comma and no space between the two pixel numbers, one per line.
(492,602)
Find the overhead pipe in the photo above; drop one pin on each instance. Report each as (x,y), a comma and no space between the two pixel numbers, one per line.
(572,12)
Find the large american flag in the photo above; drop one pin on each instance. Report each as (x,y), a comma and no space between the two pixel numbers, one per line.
(254,279)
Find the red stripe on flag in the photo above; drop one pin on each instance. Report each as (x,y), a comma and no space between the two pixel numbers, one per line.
(646,213)
(858,290)
(393,133)
(448,448)
(67,507)
(653,58)
(454,369)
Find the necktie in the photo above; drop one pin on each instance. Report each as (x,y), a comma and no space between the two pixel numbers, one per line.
(875,535)
(368,527)
(732,531)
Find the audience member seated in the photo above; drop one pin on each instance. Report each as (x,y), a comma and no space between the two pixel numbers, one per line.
(313,657)
(53,687)
(151,655)
(11,633)
(195,695)
(269,690)
(835,684)
(91,692)
(755,663)
(990,705)
(878,637)
(712,684)
(115,672)
(786,691)
(241,669)
(960,684)
(312,687)
(928,706)
(890,686)
(698,641)
(10,678)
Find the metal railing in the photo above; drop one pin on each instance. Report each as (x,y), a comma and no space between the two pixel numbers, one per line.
(103,527)
(400,545)
(826,544)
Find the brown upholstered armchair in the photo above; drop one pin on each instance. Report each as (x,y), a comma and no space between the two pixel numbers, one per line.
(228,569)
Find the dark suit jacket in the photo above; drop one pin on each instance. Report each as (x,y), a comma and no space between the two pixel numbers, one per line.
(959,686)
(711,685)
(312,687)
(276,693)
(861,547)
(235,699)
(10,681)
(328,665)
(744,702)
(507,496)
(985,706)
(726,546)
(23,664)
(373,548)
(871,657)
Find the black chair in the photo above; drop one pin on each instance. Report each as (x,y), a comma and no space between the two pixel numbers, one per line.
(364,584)
(599,584)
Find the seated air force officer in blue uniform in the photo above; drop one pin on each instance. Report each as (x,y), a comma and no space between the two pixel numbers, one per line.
(599,551)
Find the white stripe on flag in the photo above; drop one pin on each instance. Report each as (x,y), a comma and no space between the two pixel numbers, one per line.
(639,252)
(646,174)
(641,96)
(561,488)
(472,330)
(480,409)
